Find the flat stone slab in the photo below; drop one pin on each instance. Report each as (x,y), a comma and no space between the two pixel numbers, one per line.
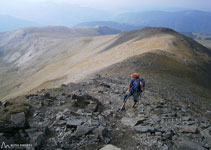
(110,147)
(132,121)
(188,129)
(74,123)
(188,145)
(156,118)
(144,129)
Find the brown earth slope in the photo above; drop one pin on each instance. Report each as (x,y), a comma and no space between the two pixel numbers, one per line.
(48,61)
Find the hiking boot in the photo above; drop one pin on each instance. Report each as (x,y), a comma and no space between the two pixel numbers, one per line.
(134,107)
(122,109)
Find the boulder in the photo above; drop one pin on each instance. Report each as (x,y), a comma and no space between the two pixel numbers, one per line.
(169,134)
(30,132)
(5,104)
(207,114)
(47,95)
(186,118)
(46,102)
(110,147)
(191,122)
(107,112)
(20,120)
(206,134)
(37,139)
(92,106)
(60,116)
(31,96)
(66,111)
(132,121)
(100,132)
(93,122)
(158,133)
(83,130)
(43,127)
(52,142)
(105,85)
(156,118)
(6,128)
(86,101)
(61,122)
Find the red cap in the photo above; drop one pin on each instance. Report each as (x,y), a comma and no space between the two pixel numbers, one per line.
(135,75)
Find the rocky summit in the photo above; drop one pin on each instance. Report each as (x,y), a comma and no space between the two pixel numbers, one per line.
(86,116)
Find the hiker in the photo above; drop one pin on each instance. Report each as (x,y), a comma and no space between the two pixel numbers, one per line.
(136,87)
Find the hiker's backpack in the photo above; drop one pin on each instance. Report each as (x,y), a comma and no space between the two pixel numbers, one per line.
(143,81)
(139,80)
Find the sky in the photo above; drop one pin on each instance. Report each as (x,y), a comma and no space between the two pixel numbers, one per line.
(117,4)
(42,11)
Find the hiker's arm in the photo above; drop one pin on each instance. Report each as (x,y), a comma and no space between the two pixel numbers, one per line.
(142,87)
(129,87)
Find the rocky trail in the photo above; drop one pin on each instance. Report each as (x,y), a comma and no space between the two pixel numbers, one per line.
(85,116)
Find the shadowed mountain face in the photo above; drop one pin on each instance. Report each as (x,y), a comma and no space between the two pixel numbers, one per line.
(36,58)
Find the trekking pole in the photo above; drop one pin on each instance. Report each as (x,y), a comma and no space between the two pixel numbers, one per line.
(124,101)
(123,106)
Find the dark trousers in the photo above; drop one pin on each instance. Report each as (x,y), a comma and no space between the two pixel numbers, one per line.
(135,95)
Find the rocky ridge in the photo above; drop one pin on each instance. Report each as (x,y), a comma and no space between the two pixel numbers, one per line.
(85,116)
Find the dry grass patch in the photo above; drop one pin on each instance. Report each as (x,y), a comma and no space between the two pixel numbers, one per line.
(18,104)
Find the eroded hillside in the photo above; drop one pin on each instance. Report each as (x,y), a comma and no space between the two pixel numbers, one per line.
(39,59)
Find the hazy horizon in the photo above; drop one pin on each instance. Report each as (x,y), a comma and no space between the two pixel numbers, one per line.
(57,12)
